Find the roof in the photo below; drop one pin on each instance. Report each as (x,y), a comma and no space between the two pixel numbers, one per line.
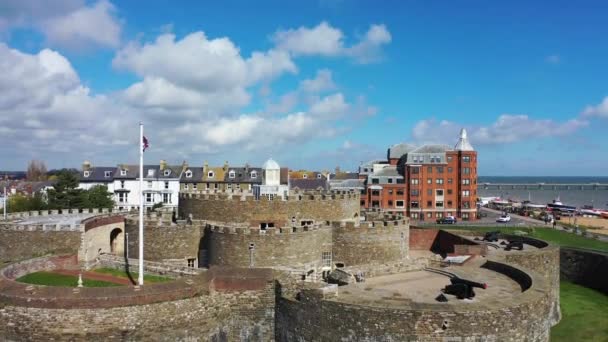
(150,171)
(243,175)
(284,175)
(344,175)
(271,164)
(390,171)
(463,143)
(300,174)
(98,174)
(196,175)
(309,184)
(397,150)
(218,174)
(432,148)
(347,184)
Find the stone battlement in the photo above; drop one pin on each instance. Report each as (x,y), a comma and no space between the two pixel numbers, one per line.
(54,212)
(248,196)
(48,227)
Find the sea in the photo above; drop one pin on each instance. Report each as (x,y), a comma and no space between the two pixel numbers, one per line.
(597,198)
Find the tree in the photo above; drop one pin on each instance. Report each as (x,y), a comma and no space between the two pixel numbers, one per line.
(36,171)
(17,203)
(99,197)
(65,193)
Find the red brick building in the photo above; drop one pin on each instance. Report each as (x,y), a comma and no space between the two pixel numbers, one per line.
(425,182)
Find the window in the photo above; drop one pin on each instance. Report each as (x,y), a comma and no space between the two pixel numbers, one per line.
(304,176)
(375,181)
(122,197)
(414,204)
(414,215)
(466,193)
(466,181)
(400,181)
(362,203)
(149,184)
(107,174)
(449,191)
(148,197)
(390,191)
(191,262)
(399,192)
(439,180)
(450,170)
(449,180)
(400,204)
(375,192)
(429,215)
(449,204)
(439,169)
(414,192)
(87,173)
(375,204)
(166,185)
(188,174)
(415,170)
(430,168)
(429,181)
(237,186)
(319,176)
(390,203)
(439,192)
(326,258)
(466,159)
(207,187)
(466,170)
(122,184)
(429,204)
(465,216)
(216,186)
(123,172)
(229,186)
(449,159)
(438,215)
(150,172)
(415,181)
(231,174)
(390,181)
(194,186)
(210,174)
(439,204)
(429,192)
(166,198)
(466,205)
(254,174)
(167,172)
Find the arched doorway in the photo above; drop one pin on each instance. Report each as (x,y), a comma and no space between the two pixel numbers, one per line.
(117,242)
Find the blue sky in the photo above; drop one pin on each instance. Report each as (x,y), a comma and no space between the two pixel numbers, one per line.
(314,84)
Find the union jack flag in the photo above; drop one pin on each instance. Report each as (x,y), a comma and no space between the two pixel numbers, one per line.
(145,143)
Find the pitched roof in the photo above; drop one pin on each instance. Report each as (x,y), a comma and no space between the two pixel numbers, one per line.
(243,175)
(390,171)
(218,174)
(150,171)
(197,175)
(309,184)
(463,143)
(397,150)
(98,174)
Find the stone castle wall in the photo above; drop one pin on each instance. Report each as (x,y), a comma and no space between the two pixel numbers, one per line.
(18,245)
(318,318)
(584,267)
(376,242)
(239,209)
(297,248)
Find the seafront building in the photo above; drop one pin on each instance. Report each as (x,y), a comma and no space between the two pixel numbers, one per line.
(425,182)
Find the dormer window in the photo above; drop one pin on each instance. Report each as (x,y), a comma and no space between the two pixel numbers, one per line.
(254,174)
(87,173)
(123,172)
(150,172)
(231,174)
(167,172)
(210,174)
(319,176)
(304,176)
(188,174)
(107,174)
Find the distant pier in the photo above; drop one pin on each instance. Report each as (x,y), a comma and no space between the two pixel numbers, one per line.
(542,186)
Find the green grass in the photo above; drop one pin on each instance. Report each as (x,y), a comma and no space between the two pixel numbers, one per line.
(53,279)
(123,274)
(584,315)
(557,237)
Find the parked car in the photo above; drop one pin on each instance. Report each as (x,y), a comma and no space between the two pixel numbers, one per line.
(504,218)
(447,220)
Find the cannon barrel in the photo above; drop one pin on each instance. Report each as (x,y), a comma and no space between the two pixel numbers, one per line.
(456,280)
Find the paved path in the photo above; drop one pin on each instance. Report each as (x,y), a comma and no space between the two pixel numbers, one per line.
(96,276)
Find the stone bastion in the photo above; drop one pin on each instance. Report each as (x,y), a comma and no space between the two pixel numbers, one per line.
(298,207)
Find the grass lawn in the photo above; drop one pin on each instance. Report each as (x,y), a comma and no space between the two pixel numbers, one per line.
(557,237)
(123,274)
(53,279)
(584,315)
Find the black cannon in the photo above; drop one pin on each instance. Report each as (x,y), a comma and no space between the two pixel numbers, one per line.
(462,288)
(514,245)
(491,236)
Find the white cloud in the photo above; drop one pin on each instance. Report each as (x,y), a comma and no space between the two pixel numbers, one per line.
(506,129)
(68,24)
(330,107)
(326,40)
(323,81)
(600,110)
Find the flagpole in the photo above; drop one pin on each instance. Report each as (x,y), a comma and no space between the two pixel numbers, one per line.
(140,279)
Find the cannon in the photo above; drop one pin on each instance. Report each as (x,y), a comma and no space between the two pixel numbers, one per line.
(491,236)
(463,288)
(514,245)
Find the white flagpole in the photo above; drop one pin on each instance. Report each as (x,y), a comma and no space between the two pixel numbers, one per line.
(140,279)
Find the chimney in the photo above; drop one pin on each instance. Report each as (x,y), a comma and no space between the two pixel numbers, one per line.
(205,167)
(163,164)
(337,169)
(184,166)
(225,166)
(86,165)
(246,167)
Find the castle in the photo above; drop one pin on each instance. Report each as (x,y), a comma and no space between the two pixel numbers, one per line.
(256,268)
